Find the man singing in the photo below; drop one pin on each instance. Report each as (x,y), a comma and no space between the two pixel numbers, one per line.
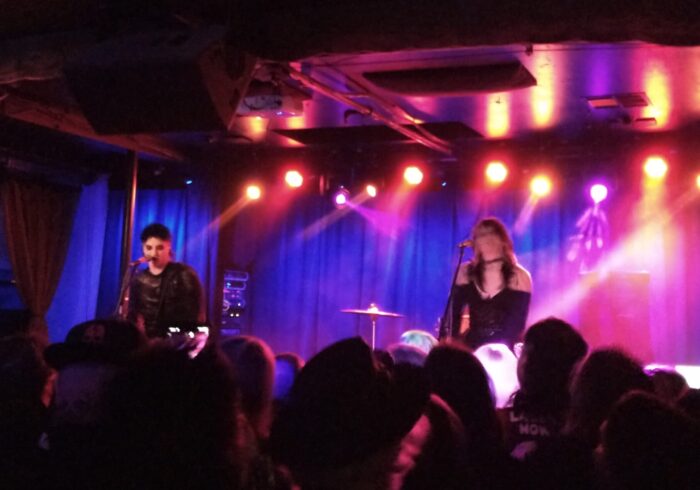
(167,293)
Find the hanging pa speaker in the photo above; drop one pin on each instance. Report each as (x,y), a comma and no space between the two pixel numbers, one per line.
(160,81)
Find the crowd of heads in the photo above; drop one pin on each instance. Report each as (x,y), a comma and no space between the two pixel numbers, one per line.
(108,409)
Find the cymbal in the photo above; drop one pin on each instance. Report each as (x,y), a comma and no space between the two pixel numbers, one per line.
(372,311)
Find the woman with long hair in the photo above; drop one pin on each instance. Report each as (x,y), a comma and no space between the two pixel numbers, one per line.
(493,287)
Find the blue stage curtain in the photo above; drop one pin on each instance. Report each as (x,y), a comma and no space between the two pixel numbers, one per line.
(187,212)
(402,263)
(402,258)
(76,297)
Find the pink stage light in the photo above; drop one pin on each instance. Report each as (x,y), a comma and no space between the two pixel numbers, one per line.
(413,175)
(598,193)
(371,190)
(293,178)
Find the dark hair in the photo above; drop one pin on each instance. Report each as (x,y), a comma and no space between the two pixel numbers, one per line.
(254,364)
(603,379)
(669,385)
(343,408)
(689,402)
(650,444)
(287,367)
(173,421)
(551,349)
(23,376)
(292,359)
(475,269)
(156,230)
(459,378)
(23,373)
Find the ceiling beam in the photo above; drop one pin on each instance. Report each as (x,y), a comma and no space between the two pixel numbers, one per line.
(73,122)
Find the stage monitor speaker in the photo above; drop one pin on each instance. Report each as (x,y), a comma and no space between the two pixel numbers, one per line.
(161,81)
(615,312)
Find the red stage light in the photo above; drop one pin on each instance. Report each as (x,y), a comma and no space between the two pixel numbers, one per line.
(496,172)
(293,178)
(253,192)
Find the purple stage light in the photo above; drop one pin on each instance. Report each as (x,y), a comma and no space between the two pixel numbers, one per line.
(598,193)
(340,198)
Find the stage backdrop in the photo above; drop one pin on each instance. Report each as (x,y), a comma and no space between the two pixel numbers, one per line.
(308,261)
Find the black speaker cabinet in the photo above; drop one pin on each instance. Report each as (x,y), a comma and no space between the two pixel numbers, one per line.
(160,81)
(615,311)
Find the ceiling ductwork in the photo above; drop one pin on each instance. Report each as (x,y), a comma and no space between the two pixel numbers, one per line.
(454,80)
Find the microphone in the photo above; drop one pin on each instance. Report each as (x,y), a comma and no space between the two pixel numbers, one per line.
(468,243)
(140,261)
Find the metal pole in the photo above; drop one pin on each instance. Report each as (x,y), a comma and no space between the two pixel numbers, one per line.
(129,208)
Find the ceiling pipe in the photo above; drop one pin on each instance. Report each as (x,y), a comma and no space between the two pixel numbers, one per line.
(416,134)
(395,109)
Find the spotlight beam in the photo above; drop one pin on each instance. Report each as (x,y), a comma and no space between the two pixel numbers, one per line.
(571,297)
(525,216)
(322,223)
(215,224)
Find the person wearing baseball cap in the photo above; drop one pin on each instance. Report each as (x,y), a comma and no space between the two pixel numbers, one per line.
(89,358)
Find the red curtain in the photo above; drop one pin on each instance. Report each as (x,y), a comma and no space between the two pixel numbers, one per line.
(38,224)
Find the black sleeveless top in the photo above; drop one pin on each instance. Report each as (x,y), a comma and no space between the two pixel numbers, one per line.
(499,319)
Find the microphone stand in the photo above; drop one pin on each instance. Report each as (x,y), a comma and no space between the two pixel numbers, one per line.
(442,331)
(119,311)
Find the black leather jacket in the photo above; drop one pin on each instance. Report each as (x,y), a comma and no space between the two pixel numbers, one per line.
(172,298)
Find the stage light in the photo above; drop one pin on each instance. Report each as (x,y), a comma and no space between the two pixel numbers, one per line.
(496,172)
(655,168)
(253,192)
(188,181)
(341,197)
(293,178)
(541,186)
(371,190)
(413,175)
(697,181)
(598,193)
